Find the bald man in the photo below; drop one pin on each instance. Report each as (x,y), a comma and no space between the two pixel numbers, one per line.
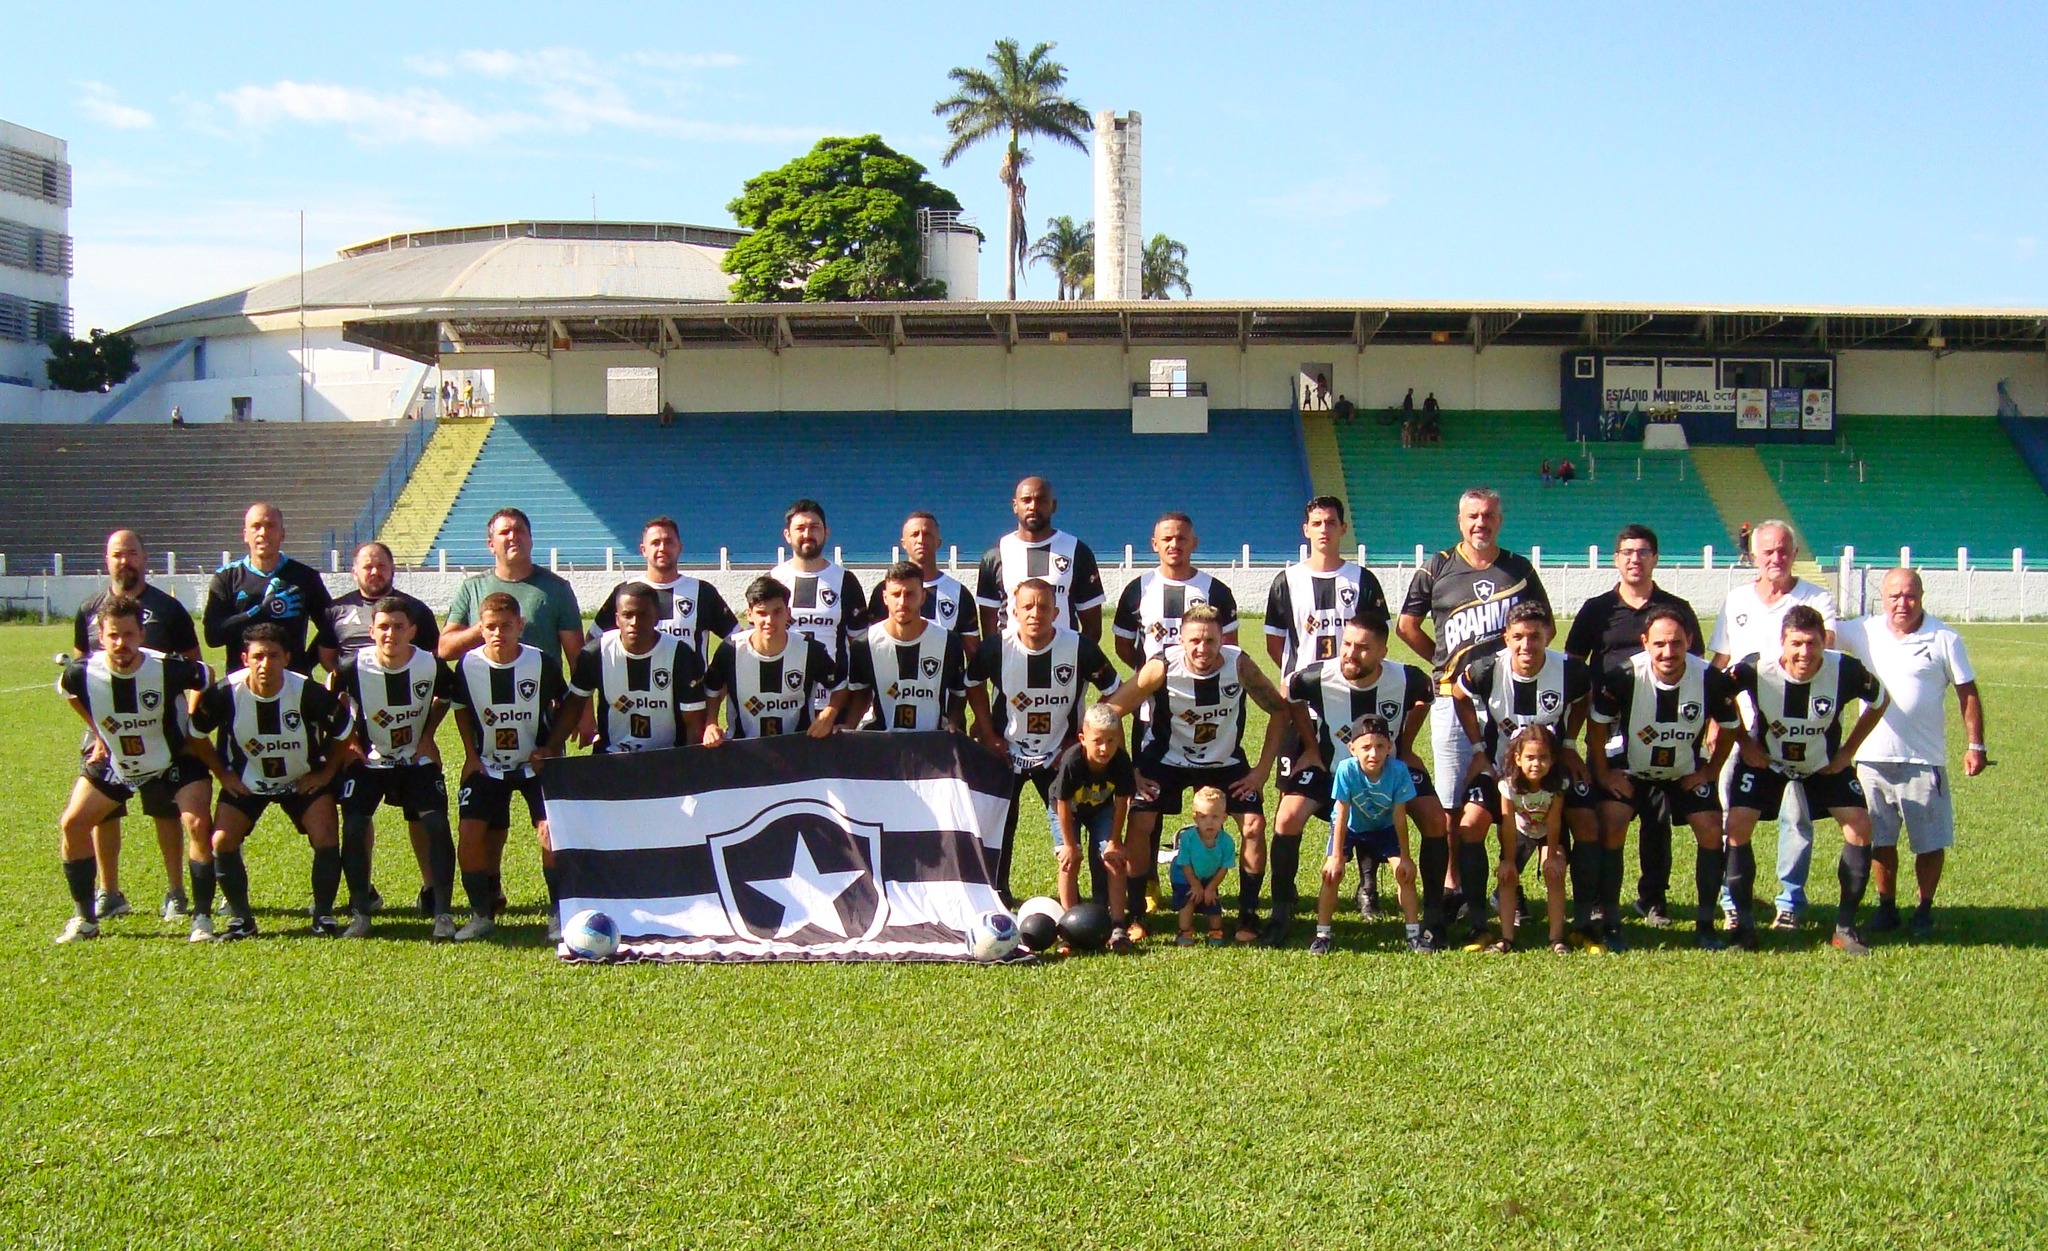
(1036,550)
(166,628)
(267,585)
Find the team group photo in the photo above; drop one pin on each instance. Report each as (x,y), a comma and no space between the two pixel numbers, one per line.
(1104,628)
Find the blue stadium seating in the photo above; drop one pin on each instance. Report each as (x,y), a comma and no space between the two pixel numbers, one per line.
(590,482)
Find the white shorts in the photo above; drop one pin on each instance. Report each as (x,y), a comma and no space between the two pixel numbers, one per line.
(1914,797)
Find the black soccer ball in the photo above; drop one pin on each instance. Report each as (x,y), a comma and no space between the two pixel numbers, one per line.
(1038,930)
(1086,927)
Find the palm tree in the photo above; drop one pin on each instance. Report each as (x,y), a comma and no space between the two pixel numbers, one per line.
(1019,97)
(1165,269)
(1069,251)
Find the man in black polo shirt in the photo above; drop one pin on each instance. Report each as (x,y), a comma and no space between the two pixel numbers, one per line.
(166,628)
(1607,634)
(268,586)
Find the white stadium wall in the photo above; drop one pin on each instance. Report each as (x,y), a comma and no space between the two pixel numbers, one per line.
(1959,384)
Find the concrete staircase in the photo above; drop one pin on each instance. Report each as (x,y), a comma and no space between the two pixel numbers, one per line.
(416,519)
(1742,490)
(1325,460)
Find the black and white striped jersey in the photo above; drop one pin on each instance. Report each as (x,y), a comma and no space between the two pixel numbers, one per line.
(1197,719)
(1799,724)
(639,701)
(391,705)
(1307,609)
(912,684)
(1509,703)
(769,695)
(946,602)
(1149,611)
(1660,725)
(1060,558)
(1335,703)
(689,608)
(826,605)
(513,705)
(140,716)
(1035,696)
(271,743)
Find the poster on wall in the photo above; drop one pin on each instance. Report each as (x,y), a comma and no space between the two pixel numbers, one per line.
(1753,409)
(1817,409)
(1785,408)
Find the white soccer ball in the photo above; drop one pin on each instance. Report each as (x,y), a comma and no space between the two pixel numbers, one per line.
(1040,904)
(993,936)
(591,935)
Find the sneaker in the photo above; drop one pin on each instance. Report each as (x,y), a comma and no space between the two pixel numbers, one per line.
(1785,920)
(202,928)
(1320,945)
(1848,941)
(426,901)
(1587,941)
(1653,915)
(77,929)
(240,928)
(1922,924)
(1613,941)
(326,927)
(1885,919)
(444,928)
(358,926)
(1743,938)
(1421,943)
(373,905)
(474,928)
(1274,936)
(110,904)
(1368,905)
(1729,915)
(175,908)
(1708,940)
(1119,940)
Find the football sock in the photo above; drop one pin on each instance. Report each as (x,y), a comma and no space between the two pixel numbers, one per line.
(1709,868)
(355,859)
(1742,881)
(1286,868)
(440,860)
(1472,877)
(326,879)
(1324,931)
(1887,903)
(1584,862)
(202,886)
(1926,908)
(550,875)
(1134,896)
(233,875)
(1654,851)
(1369,873)
(1414,929)
(1854,872)
(1612,866)
(79,876)
(1249,886)
(1436,857)
(483,895)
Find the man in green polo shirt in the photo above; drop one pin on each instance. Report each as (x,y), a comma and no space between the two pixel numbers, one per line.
(554,623)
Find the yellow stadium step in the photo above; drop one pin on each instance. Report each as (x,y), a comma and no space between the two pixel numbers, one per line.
(1742,490)
(1325,461)
(415,520)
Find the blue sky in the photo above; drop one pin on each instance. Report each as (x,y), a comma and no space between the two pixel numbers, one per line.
(1855,153)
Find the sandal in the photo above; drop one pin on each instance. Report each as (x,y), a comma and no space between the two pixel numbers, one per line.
(1561,947)
(1498,947)
(1216,938)
(1186,939)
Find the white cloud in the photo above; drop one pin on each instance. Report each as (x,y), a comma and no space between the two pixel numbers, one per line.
(1340,195)
(688,60)
(417,114)
(101,105)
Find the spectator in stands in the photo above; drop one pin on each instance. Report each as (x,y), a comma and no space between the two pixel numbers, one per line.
(553,622)
(177,415)
(1742,556)
(1546,473)
(1345,410)
(1566,471)
(668,413)
(1408,405)
(1432,420)
(1323,392)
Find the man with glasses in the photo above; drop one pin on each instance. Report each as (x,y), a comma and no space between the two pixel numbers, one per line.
(1607,634)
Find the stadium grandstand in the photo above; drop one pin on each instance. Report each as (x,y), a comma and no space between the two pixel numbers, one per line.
(593,373)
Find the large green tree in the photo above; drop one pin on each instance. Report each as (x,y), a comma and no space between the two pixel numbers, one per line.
(1017,97)
(100,363)
(1164,269)
(837,223)
(1068,250)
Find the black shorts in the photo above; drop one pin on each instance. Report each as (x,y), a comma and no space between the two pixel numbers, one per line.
(489,799)
(1665,798)
(1174,783)
(1763,790)
(293,804)
(414,789)
(159,794)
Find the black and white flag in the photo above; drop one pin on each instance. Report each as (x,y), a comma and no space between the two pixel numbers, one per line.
(852,847)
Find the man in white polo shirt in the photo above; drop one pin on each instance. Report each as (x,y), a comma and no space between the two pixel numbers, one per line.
(1903,765)
(1748,626)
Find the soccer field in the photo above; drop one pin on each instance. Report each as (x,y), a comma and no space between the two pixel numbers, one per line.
(290,1092)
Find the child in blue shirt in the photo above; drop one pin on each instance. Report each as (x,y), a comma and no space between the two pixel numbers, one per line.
(1371,790)
(1203,854)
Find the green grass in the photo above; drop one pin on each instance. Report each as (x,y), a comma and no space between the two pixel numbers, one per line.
(288,1092)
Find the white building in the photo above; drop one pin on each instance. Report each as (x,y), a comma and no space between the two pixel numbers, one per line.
(35,259)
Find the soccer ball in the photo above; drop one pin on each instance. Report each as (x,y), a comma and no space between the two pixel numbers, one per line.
(591,935)
(1086,927)
(993,936)
(1038,922)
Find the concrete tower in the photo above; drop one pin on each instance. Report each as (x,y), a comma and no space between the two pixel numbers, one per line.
(1119,233)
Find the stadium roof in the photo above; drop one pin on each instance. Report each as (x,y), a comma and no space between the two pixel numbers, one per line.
(481,267)
(542,325)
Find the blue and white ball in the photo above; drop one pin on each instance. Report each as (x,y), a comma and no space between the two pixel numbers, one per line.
(591,935)
(993,936)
